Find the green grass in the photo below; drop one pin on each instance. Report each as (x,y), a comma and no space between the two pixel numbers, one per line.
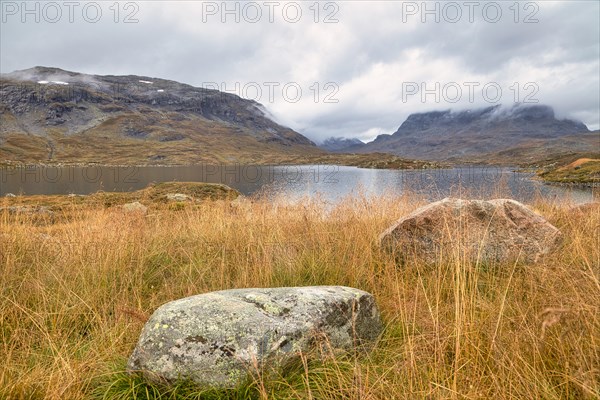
(581,171)
(121,385)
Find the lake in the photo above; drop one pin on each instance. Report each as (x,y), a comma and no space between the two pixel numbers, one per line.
(330,182)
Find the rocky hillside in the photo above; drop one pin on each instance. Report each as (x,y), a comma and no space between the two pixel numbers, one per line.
(52,115)
(490,134)
(543,152)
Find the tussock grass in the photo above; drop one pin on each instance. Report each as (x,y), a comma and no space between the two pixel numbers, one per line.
(75,293)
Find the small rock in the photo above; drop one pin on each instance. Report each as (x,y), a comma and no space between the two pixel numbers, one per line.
(500,230)
(178,197)
(241,203)
(44,210)
(216,339)
(136,206)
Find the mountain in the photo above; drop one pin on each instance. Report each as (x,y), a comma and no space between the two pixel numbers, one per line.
(469,135)
(543,152)
(53,115)
(340,144)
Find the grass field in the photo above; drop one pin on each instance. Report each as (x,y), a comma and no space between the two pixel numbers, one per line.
(580,171)
(76,289)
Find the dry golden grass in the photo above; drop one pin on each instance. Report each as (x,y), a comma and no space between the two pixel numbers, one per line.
(75,293)
(579,162)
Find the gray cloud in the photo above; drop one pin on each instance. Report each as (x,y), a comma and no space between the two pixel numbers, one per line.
(374,50)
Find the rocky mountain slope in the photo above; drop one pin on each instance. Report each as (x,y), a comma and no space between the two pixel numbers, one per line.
(493,134)
(52,115)
(542,152)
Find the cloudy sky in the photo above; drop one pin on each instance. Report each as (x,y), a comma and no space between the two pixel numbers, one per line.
(329,68)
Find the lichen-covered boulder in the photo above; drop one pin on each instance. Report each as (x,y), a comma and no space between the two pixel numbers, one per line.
(178,197)
(135,207)
(493,231)
(217,339)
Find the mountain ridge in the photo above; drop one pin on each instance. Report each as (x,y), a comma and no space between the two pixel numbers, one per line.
(61,115)
(339,144)
(48,114)
(469,134)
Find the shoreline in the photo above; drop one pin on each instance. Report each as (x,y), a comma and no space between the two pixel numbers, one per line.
(418,165)
(574,185)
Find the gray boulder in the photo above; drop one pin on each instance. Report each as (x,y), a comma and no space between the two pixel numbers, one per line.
(217,339)
(178,197)
(500,230)
(135,207)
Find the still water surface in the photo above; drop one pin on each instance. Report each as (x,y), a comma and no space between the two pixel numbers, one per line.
(329,182)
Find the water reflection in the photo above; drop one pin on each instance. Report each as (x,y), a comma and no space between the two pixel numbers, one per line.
(329,182)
